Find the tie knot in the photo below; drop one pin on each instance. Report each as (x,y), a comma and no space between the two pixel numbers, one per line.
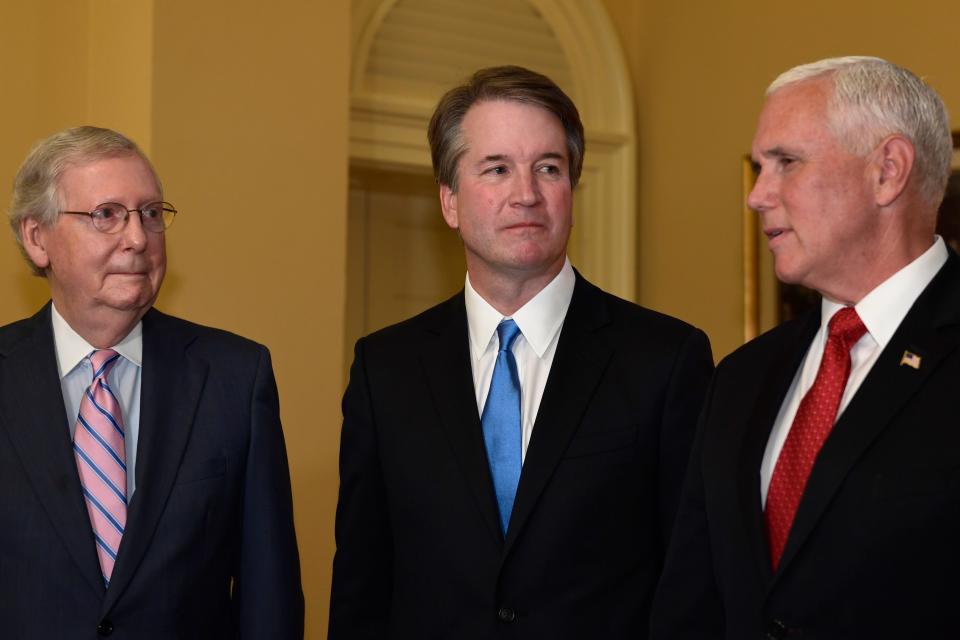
(507,332)
(102,361)
(847,327)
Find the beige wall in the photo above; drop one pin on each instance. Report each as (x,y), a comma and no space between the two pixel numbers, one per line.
(43,78)
(243,107)
(250,132)
(699,69)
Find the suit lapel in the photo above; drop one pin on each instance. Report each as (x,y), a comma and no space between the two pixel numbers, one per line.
(33,415)
(446,365)
(776,377)
(931,330)
(578,365)
(171,387)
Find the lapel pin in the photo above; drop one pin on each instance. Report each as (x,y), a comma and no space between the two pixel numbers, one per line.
(910,359)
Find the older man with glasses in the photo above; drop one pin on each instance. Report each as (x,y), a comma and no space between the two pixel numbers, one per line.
(144,489)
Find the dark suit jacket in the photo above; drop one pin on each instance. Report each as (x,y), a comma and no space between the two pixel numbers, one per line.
(209,550)
(873,549)
(419,548)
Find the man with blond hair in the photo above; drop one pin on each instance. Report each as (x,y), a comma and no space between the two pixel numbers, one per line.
(144,491)
(823,495)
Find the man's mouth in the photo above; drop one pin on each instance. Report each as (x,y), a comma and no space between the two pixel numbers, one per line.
(524,225)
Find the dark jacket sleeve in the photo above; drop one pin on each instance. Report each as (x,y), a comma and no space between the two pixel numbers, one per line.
(363,563)
(687,602)
(685,393)
(267,588)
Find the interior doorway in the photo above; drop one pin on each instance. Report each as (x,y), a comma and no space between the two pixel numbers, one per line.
(401,256)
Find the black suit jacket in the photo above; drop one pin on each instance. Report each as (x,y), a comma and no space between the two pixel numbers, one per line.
(873,549)
(419,548)
(209,549)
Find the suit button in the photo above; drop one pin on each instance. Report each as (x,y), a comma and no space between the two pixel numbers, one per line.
(776,630)
(506,614)
(105,628)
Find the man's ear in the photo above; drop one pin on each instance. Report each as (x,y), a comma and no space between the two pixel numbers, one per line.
(894,164)
(33,237)
(448,204)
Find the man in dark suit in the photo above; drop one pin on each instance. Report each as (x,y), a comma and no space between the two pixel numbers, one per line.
(144,490)
(522,490)
(823,495)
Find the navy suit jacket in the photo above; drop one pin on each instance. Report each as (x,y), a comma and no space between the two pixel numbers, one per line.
(873,548)
(420,553)
(209,549)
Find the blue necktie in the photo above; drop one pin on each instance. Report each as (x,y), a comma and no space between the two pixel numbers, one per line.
(501,423)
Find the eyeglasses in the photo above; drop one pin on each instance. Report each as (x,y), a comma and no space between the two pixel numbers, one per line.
(111,217)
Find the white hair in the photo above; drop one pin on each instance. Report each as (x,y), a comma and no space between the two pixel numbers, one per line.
(873,98)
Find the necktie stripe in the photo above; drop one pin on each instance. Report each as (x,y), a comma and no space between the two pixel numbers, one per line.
(105,366)
(103,443)
(113,398)
(105,412)
(101,510)
(101,458)
(105,547)
(90,464)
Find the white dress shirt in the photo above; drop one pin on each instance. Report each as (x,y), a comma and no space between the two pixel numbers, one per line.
(540,321)
(882,310)
(76,374)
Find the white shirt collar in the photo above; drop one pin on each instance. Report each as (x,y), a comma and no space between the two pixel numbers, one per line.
(72,348)
(883,309)
(539,319)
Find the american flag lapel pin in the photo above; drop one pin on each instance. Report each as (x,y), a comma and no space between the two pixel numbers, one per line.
(910,359)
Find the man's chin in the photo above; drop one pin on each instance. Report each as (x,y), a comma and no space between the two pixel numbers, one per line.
(788,273)
(130,302)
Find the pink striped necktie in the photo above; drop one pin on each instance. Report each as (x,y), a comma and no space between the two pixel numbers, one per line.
(98,446)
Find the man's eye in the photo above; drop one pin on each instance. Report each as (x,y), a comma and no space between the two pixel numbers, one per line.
(551,169)
(104,213)
(498,170)
(152,212)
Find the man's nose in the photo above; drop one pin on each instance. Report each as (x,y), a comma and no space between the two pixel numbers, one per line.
(134,235)
(526,190)
(763,196)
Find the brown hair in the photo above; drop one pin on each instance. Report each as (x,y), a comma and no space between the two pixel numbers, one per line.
(499,83)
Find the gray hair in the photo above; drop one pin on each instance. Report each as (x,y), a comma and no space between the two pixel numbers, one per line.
(873,98)
(36,189)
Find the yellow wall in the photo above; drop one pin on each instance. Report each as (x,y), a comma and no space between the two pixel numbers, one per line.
(700,68)
(43,78)
(243,107)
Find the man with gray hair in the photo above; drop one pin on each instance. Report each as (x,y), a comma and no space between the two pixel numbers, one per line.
(144,490)
(823,496)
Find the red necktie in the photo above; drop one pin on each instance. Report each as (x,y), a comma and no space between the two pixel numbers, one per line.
(811,426)
(98,446)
